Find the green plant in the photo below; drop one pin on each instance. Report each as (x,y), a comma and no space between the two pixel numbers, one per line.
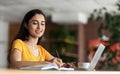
(61,38)
(110,21)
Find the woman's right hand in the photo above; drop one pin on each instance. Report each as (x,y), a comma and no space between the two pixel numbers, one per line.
(58,61)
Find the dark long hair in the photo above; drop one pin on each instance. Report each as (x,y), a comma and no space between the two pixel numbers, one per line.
(23,32)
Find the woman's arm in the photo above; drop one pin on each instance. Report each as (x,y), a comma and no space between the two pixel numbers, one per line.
(15,60)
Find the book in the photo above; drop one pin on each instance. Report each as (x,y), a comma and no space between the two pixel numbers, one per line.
(52,66)
(34,67)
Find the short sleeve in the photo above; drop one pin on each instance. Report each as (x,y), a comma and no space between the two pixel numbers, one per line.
(17,44)
(44,53)
(48,55)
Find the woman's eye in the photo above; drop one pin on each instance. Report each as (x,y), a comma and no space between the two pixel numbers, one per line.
(42,23)
(35,23)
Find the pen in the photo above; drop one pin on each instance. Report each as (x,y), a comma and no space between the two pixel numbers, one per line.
(57,54)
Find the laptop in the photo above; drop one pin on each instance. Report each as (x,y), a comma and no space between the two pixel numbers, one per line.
(96,57)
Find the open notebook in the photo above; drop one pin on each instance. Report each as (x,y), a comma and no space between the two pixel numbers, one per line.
(96,57)
(52,66)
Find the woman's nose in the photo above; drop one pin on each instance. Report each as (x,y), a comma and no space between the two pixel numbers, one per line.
(39,26)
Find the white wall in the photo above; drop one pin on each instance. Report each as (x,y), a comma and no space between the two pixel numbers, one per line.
(3,43)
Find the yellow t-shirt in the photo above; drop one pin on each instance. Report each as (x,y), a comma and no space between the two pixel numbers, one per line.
(27,54)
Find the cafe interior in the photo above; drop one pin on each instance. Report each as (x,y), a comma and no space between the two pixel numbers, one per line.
(74,28)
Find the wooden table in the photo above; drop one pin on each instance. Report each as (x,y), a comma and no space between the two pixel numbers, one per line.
(14,71)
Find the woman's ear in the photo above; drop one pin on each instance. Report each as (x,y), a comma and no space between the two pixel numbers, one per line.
(26,26)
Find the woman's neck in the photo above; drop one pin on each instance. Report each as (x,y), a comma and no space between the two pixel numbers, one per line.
(32,41)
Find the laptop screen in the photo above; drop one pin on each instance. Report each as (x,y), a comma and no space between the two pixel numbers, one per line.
(96,57)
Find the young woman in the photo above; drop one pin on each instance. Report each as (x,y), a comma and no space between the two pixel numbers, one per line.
(25,49)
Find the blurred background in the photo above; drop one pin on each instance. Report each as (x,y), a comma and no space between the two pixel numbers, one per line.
(74,28)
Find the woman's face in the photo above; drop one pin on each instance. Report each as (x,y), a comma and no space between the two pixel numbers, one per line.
(36,26)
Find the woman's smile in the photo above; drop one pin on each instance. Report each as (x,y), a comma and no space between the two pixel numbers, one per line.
(38,31)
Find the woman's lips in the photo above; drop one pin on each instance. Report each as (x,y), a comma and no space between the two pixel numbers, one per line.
(38,31)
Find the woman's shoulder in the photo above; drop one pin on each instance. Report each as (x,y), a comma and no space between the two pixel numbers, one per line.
(41,47)
(18,44)
(18,41)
